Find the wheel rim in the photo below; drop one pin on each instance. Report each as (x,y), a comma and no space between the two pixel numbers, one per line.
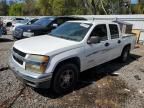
(66,79)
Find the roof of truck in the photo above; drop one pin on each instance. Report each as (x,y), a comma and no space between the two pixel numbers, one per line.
(95,22)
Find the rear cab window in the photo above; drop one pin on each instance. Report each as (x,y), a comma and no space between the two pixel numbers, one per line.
(114,31)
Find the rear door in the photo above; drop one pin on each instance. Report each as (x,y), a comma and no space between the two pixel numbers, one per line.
(116,41)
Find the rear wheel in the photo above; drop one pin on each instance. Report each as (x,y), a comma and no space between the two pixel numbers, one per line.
(125,54)
(65,78)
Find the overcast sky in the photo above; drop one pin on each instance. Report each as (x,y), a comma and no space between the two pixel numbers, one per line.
(134,1)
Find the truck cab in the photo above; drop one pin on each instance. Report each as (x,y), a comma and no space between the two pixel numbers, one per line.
(55,60)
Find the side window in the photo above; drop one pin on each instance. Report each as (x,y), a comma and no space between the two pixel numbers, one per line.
(60,21)
(34,20)
(114,31)
(101,31)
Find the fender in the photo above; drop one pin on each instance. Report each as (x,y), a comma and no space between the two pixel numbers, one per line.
(55,60)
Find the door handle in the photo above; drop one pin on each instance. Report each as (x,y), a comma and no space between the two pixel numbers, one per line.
(119,41)
(107,44)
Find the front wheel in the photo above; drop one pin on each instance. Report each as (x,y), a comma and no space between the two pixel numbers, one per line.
(65,78)
(125,54)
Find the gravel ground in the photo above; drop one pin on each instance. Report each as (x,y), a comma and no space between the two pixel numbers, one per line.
(111,85)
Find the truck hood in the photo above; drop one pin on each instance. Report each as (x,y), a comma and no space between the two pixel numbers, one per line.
(45,45)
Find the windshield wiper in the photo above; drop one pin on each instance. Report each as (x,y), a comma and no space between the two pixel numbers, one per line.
(63,37)
(67,38)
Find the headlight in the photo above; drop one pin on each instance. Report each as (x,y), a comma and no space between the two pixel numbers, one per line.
(37,63)
(29,30)
(28,34)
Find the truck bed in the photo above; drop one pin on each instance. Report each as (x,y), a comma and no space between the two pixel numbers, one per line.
(127,35)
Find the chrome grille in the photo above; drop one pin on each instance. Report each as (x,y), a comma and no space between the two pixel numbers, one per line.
(18,60)
(19,52)
(18,56)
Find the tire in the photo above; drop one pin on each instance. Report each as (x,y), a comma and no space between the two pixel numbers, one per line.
(65,78)
(125,54)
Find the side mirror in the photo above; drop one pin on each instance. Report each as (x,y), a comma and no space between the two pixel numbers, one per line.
(94,40)
(55,25)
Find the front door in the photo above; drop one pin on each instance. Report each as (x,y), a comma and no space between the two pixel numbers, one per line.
(98,53)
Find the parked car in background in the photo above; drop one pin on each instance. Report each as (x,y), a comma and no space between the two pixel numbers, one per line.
(56,60)
(18,23)
(42,26)
(24,22)
(10,21)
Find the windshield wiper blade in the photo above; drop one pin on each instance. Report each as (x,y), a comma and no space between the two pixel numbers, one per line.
(63,37)
(67,38)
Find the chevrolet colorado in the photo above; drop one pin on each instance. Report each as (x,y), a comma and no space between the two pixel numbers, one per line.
(55,60)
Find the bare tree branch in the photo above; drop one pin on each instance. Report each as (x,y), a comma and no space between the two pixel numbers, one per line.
(101,1)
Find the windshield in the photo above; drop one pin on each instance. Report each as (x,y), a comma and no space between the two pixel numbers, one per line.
(44,21)
(71,31)
(32,21)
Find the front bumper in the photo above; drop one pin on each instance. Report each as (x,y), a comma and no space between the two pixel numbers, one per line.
(16,36)
(31,79)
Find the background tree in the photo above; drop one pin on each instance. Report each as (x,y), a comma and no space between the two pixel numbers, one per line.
(3,8)
(138,9)
(72,7)
(16,10)
(29,8)
(45,7)
(58,7)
